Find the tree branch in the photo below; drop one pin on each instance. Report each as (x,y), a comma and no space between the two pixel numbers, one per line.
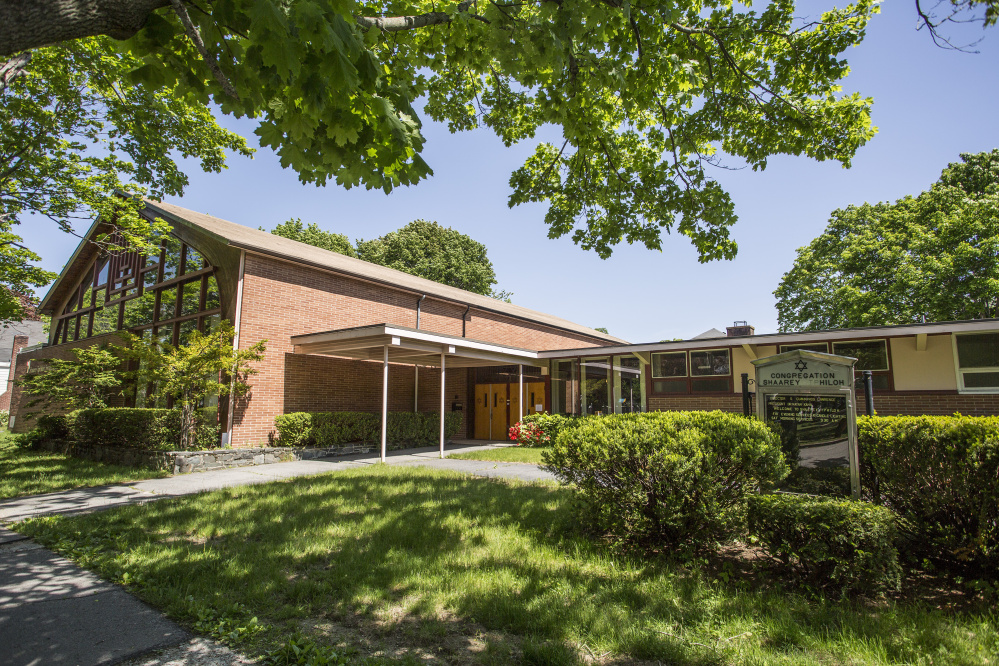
(30,24)
(12,69)
(400,23)
(213,65)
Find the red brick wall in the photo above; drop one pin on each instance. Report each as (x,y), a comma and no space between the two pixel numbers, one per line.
(282,299)
(942,403)
(18,409)
(726,403)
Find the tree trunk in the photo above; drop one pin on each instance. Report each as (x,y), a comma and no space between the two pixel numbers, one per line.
(29,24)
(187,425)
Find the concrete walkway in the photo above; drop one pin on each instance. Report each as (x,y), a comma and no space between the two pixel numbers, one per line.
(83,500)
(53,612)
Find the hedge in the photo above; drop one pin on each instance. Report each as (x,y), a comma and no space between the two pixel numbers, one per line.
(330,429)
(137,428)
(667,481)
(941,475)
(543,429)
(844,544)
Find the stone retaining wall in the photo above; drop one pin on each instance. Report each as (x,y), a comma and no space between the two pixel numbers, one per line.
(183,462)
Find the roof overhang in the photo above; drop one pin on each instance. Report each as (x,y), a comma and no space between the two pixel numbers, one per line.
(411,346)
(934,328)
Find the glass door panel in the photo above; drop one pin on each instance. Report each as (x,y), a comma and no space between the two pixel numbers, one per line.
(596,385)
(629,385)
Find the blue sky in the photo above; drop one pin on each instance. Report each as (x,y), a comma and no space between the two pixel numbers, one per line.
(930,105)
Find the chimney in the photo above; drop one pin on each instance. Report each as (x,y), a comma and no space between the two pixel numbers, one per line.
(739,329)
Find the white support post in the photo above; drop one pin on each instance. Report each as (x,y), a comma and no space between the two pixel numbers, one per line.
(442,404)
(416,388)
(384,402)
(520,401)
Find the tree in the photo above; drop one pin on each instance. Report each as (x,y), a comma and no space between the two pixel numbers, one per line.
(313,235)
(74,132)
(86,381)
(436,253)
(646,94)
(204,365)
(933,257)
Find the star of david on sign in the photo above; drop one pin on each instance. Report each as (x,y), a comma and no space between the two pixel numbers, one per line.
(800,365)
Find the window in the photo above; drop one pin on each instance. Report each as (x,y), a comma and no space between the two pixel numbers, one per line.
(565,396)
(595,387)
(815,347)
(871,355)
(669,364)
(629,385)
(710,371)
(710,362)
(978,362)
(124,290)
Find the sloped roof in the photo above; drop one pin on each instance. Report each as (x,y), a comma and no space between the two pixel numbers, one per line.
(263,242)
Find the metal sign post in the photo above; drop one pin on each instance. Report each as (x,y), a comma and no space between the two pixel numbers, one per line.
(811,396)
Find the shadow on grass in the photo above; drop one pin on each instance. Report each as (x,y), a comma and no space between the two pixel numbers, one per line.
(386,546)
(25,472)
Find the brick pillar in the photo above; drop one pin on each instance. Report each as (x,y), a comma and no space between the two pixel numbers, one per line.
(20,341)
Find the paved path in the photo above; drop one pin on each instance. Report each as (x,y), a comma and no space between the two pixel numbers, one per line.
(82,500)
(53,612)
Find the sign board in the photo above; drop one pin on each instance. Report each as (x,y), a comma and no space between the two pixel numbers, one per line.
(811,397)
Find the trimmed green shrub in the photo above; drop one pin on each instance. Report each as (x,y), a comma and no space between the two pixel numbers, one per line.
(329,429)
(842,544)
(56,428)
(136,428)
(325,429)
(548,427)
(675,481)
(940,474)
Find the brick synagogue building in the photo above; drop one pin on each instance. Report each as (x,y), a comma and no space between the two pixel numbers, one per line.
(336,326)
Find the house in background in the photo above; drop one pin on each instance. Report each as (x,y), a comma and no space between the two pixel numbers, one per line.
(347,335)
(15,336)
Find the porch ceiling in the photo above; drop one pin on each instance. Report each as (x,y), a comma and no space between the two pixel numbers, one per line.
(411,346)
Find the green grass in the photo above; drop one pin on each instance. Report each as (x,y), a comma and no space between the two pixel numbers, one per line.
(520,454)
(27,472)
(423,565)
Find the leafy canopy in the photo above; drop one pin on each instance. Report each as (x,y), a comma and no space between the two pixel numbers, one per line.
(313,235)
(646,95)
(86,381)
(204,365)
(420,248)
(74,130)
(935,255)
(436,253)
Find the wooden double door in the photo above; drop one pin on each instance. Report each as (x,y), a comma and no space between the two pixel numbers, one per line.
(497,407)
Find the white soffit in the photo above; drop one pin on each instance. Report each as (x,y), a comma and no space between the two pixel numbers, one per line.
(411,346)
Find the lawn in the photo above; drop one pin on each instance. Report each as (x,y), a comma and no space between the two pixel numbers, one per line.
(423,565)
(520,454)
(27,472)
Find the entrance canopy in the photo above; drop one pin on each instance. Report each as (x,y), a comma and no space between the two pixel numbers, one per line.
(398,344)
(412,346)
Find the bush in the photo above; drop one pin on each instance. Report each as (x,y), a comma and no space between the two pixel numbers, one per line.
(940,474)
(844,544)
(136,428)
(330,429)
(675,481)
(545,428)
(325,429)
